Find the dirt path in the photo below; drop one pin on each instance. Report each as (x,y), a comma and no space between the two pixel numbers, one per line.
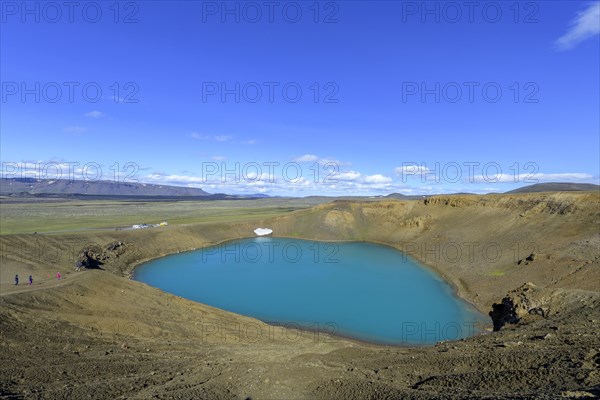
(45,284)
(43,273)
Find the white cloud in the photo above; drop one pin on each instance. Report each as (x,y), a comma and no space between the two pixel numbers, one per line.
(311,158)
(412,169)
(218,158)
(173,179)
(377,178)
(415,171)
(585,25)
(345,176)
(532,178)
(95,114)
(222,138)
(405,191)
(275,182)
(252,177)
(55,170)
(249,142)
(306,158)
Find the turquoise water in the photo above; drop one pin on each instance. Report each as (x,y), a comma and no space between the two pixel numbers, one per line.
(365,291)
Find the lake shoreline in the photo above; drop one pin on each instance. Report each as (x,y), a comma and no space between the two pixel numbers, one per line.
(479,327)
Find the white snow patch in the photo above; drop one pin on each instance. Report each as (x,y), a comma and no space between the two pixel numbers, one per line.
(263,231)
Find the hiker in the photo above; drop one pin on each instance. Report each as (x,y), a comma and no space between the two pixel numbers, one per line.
(30,280)
(58,276)
(17,279)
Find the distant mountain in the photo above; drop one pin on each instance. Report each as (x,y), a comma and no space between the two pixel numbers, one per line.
(63,188)
(556,187)
(401,196)
(396,196)
(30,186)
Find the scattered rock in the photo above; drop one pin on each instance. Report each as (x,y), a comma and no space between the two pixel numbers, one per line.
(544,337)
(579,394)
(93,256)
(511,343)
(114,246)
(541,311)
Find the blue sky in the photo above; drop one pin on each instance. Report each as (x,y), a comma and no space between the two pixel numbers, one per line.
(406,97)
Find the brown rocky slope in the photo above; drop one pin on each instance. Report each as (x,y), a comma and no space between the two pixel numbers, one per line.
(96,334)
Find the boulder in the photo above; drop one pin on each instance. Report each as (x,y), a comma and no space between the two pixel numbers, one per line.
(531,257)
(528,259)
(518,304)
(114,246)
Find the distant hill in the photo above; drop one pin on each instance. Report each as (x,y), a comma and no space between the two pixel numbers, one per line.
(536,188)
(556,187)
(396,196)
(30,186)
(401,196)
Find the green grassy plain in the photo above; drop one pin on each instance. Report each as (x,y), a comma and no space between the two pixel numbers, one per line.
(104,214)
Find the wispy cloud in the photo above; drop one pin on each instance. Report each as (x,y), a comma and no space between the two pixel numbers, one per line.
(197,136)
(585,25)
(312,158)
(306,158)
(53,169)
(533,178)
(346,176)
(76,130)
(412,169)
(216,138)
(173,179)
(237,178)
(222,138)
(95,114)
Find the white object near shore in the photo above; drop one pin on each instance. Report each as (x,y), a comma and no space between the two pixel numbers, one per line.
(263,231)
